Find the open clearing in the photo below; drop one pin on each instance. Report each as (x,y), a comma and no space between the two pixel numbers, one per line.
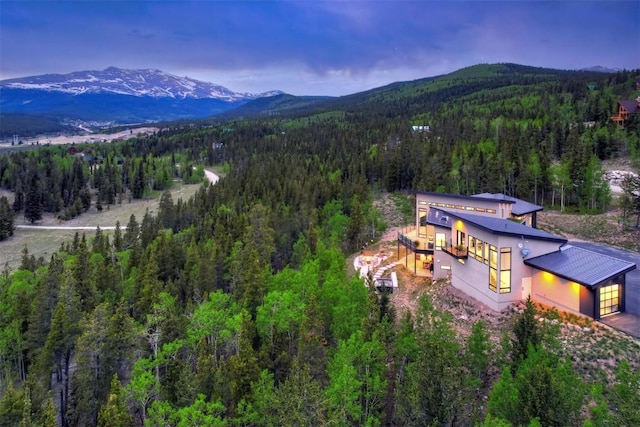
(89,137)
(45,241)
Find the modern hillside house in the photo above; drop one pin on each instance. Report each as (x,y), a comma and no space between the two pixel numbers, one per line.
(489,246)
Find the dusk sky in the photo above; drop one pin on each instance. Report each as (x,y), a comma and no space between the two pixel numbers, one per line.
(313,47)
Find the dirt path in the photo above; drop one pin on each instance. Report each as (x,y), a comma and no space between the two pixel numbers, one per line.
(62,227)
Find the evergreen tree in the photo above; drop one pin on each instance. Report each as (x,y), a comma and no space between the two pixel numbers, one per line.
(114,412)
(526,331)
(33,203)
(6,219)
(543,388)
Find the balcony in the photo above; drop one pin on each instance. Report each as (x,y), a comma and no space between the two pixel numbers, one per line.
(456,251)
(409,239)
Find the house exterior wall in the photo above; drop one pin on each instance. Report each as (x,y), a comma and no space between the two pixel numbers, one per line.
(463,205)
(441,260)
(555,291)
(587,302)
(472,275)
(535,247)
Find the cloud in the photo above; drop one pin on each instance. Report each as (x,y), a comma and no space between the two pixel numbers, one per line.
(302,46)
(140,34)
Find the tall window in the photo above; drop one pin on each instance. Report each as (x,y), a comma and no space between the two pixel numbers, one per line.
(486,254)
(472,245)
(440,240)
(460,238)
(505,270)
(493,268)
(422,220)
(479,245)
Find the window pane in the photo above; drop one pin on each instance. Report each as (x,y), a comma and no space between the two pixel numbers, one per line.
(505,258)
(493,257)
(479,245)
(505,282)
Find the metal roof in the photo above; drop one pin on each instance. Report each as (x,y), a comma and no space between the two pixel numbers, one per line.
(581,265)
(520,207)
(464,197)
(503,226)
(439,218)
(630,106)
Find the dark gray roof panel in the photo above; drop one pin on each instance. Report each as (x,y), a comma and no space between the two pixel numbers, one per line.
(520,207)
(580,265)
(505,226)
(439,218)
(463,197)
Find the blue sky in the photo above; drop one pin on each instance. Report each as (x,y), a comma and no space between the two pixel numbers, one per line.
(313,47)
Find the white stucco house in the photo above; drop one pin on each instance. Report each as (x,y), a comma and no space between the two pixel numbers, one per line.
(489,246)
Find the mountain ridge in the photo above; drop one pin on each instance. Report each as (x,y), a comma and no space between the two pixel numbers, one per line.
(116,95)
(135,82)
(181,100)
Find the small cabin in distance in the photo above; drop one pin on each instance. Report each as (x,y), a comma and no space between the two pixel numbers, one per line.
(626,110)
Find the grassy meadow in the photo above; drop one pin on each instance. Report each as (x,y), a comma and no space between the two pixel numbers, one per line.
(44,242)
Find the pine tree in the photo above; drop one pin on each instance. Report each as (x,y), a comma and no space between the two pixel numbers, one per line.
(114,412)
(6,219)
(526,332)
(32,203)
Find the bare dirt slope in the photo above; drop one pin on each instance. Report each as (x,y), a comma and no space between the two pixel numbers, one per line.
(603,228)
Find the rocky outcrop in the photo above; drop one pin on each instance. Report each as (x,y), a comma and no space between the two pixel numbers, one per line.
(616,177)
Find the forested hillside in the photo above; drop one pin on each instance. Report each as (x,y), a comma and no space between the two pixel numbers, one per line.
(235,307)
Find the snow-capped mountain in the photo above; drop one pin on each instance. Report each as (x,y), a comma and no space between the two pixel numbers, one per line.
(119,95)
(148,82)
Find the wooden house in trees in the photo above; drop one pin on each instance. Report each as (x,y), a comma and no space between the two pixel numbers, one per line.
(626,109)
(489,247)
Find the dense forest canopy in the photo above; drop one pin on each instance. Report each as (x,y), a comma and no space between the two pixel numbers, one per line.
(235,307)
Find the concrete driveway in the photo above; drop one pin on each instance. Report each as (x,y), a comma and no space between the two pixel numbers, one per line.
(628,322)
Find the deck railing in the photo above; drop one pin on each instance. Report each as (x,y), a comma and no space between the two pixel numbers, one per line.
(409,238)
(458,251)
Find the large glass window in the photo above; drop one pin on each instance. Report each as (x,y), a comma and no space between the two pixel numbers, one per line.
(422,221)
(440,240)
(472,245)
(479,245)
(505,270)
(609,299)
(493,268)
(493,256)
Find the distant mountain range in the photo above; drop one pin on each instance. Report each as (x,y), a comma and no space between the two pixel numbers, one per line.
(52,102)
(601,69)
(119,95)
